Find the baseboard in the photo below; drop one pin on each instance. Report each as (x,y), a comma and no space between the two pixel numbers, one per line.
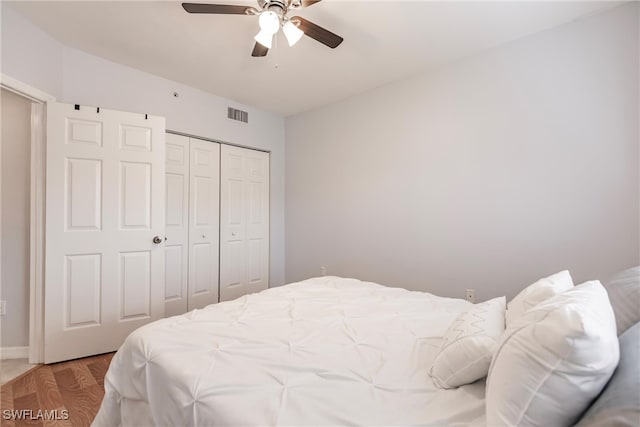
(14,353)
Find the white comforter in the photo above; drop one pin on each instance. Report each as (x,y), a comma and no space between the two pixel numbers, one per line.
(325,351)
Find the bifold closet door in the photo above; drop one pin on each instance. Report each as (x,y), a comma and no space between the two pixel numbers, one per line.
(204,223)
(177,227)
(244,222)
(193,218)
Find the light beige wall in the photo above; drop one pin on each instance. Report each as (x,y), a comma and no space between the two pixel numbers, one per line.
(487,174)
(15,178)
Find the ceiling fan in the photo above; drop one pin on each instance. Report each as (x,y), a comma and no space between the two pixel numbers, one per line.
(272,15)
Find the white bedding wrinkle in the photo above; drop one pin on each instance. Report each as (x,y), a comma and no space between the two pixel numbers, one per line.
(325,351)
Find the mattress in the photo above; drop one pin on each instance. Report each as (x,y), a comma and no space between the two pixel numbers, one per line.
(324,351)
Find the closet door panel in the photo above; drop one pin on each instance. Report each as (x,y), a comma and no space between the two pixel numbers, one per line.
(177,224)
(235,209)
(244,222)
(257,184)
(203,223)
(201,283)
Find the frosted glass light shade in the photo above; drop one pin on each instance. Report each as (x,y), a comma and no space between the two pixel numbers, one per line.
(264,38)
(269,22)
(292,32)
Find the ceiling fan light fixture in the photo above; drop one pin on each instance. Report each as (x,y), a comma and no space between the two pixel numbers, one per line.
(269,22)
(264,38)
(272,15)
(292,32)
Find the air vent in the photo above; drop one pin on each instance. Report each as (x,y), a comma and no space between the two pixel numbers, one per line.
(239,115)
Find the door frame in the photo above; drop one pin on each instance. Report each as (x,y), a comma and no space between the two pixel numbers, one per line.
(37,148)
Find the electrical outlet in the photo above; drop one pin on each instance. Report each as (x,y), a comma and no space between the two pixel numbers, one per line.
(3,307)
(323,271)
(471,295)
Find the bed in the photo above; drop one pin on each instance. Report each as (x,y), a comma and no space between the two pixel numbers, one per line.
(331,351)
(325,351)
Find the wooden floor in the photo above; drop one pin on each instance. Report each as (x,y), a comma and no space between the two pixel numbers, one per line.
(76,386)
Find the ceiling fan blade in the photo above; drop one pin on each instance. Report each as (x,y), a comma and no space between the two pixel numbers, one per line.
(307,3)
(259,50)
(225,9)
(318,33)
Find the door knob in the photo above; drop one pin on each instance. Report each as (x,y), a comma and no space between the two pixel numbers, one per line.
(157,240)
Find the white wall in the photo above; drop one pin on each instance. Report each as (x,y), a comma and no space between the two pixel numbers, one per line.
(28,53)
(15,179)
(487,174)
(33,57)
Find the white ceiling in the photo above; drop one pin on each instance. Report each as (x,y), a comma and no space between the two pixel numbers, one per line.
(384,41)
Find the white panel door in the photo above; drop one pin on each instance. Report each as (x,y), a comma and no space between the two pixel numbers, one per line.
(244,222)
(104,275)
(177,225)
(204,224)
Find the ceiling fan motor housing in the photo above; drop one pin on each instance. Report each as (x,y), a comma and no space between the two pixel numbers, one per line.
(277,6)
(284,5)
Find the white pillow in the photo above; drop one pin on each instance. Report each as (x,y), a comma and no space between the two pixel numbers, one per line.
(468,345)
(554,360)
(534,294)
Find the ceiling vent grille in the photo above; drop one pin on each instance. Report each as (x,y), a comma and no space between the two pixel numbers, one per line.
(238,115)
